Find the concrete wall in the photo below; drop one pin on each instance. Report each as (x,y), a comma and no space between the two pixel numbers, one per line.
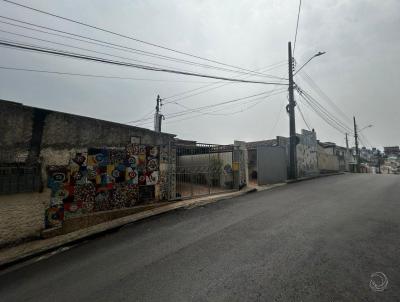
(22,216)
(327,162)
(33,136)
(306,152)
(15,131)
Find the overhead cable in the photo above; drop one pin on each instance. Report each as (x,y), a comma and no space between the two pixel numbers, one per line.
(124,36)
(121,63)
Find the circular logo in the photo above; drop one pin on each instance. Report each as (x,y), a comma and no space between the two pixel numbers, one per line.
(379,282)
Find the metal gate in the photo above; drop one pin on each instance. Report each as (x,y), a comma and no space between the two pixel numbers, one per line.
(201,169)
(271,165)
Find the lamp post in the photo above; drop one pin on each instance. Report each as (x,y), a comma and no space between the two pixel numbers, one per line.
(320,53)
(291,112)
(363,128)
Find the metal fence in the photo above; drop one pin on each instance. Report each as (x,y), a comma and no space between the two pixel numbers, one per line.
(19,178)
(202,169)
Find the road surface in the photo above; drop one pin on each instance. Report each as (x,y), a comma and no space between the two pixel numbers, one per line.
(318,240)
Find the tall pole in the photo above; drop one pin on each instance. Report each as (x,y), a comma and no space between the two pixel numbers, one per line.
(157,116)
(346,155)
(356,143)
(292,119)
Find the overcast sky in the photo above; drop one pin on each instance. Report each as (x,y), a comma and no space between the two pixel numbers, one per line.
(359,72)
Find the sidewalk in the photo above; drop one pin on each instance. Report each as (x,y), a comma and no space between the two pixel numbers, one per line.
(31,249)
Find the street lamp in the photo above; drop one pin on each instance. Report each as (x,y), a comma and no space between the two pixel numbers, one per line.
(314,56)
(369,126)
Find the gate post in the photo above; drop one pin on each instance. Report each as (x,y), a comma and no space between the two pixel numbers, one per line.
(242,162)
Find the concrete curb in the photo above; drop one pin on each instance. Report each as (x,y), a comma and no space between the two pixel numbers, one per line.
(32,249)
(313,177)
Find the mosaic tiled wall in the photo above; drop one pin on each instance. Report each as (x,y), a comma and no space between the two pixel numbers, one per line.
(101,179)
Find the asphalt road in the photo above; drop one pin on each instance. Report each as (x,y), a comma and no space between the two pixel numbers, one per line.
(316,240)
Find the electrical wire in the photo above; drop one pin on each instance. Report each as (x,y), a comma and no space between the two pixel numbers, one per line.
(211,84)
(302,116)
(230,106)
(57,52)
(120,47)
(324,110)
(194,110)
(85,49)
(124,36)
(277,118)
(260,99)
(319,110)
(323,95)
(297,27)
(325,114)
(195,94)
(95,75)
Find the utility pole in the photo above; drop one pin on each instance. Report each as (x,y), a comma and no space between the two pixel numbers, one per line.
(157,116)
(356,143)
(346,155)
(292,119)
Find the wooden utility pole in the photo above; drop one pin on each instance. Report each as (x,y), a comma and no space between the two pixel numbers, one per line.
(292,119)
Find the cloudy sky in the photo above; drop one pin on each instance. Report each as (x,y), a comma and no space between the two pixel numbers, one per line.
(359,72)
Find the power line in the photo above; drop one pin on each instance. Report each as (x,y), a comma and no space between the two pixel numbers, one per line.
(184,112)
(323,113)
(259,99)
(85,49)
(94,75)
(119,46)
(323,95)
(277,118)
(297,27)
(322,116)
(249,101)
(120,63)
(302,116)
(199,88)
(124,36)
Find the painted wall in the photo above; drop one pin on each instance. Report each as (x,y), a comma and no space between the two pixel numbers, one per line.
(307,162)
(54,141)
(103,179)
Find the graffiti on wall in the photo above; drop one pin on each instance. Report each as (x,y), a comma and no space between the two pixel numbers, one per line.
(102,179)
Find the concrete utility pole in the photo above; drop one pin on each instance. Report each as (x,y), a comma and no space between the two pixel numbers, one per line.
(347,143)
(292,119)
(356,143)
(157,116)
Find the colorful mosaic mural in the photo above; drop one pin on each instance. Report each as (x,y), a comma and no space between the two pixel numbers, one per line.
(102,179)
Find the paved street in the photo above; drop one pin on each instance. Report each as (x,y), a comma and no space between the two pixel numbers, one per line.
(317,240)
